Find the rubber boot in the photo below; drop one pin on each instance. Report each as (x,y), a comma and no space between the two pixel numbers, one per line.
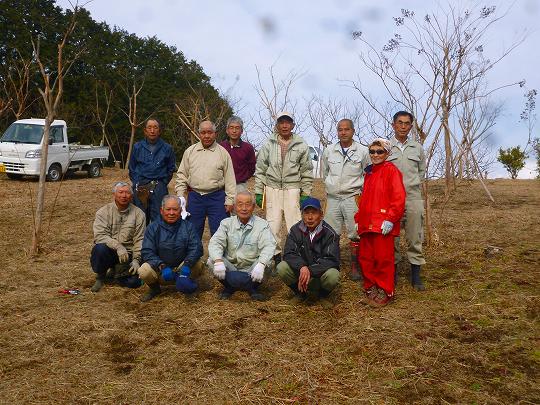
(100,282)
(356,272)
(416,280)
(154,290)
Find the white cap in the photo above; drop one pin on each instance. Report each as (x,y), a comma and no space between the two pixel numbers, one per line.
(284,114)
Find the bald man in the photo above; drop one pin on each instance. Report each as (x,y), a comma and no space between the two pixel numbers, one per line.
(206,177)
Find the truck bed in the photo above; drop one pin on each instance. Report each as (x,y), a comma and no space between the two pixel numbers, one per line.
(87,152)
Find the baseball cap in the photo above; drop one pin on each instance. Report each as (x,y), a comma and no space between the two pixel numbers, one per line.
(311,202)
(282,114)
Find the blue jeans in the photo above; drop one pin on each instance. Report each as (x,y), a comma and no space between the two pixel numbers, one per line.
(211,205)
(103,258)
(154,201)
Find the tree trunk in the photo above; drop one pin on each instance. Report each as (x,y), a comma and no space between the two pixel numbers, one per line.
(131,140)
(41,188)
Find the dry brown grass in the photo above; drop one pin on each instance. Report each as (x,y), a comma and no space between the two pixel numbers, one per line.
(472,337)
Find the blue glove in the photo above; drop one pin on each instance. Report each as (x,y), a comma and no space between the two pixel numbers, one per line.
(386,227)
(185,285)
(185,271)
(168,274)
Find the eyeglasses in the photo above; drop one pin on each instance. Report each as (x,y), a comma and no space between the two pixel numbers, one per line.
(378,151)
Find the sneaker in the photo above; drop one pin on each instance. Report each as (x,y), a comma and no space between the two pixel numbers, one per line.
(380,299)
(257,296)
(371,292)
(225,295)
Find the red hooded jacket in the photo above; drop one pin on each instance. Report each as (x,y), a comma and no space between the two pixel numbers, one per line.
(383,199)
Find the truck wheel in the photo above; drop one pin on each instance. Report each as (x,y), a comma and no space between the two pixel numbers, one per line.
(55,172)
(94,170)
(14,176)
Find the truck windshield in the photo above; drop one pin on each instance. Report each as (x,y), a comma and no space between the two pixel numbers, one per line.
(23,133)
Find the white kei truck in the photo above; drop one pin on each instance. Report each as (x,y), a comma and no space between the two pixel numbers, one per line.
(20,151)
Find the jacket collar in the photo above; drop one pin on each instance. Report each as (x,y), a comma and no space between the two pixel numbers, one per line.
(305,229)
(230,145)
(199,146)
(239,225)
(157,145)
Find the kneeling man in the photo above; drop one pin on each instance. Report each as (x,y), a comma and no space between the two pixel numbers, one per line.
(118,235)
(311,256)
(171,250)
(241,250)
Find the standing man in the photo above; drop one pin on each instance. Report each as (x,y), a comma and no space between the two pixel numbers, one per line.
(283,176)
(310,265)
(343,167)
(170,250)
(151,166)
(118,235)
(241,250)
(408,155)
(242,152)
(206,174)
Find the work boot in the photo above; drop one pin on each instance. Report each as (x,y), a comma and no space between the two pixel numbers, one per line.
(154,290)
(356,271)
(416,280)
(100,282)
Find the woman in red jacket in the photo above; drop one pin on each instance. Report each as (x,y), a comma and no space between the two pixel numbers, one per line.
(381,207)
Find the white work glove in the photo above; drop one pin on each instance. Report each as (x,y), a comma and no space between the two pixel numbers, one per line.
(219,270)
(257,273)
(386,227)
(134,267)
(123,255)
(184,214)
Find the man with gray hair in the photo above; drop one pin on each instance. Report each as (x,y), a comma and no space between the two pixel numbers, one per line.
(242,152)
(118,234)
(171,251)
(206,176)
(241,250)
(343,167)
(283,177)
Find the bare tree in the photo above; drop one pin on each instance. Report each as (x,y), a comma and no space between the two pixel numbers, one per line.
(425,68)
(276,97)
(103,114)
(52,95)
(197,107)
(18,83)
(132,91)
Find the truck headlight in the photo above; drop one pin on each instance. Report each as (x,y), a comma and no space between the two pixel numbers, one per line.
(33,153)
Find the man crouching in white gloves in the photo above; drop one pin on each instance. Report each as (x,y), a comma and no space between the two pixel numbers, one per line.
(241,250)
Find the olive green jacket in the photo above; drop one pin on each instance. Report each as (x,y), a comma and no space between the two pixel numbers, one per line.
(295,171)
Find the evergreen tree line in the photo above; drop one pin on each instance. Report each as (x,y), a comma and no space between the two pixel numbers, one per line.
(110,65)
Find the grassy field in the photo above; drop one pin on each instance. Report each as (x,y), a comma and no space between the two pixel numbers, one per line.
(473,337)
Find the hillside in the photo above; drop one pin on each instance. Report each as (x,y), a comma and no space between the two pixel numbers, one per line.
(472,337)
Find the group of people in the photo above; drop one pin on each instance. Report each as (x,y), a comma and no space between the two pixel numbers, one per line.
(149,236)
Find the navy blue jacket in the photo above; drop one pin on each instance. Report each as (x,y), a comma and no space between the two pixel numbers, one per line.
(171,244)
(145,166)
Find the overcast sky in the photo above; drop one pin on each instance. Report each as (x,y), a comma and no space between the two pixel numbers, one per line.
(228,38)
